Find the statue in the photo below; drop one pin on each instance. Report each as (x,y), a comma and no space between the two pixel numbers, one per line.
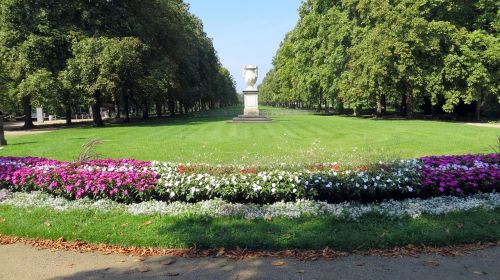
(251,74)
(251,112)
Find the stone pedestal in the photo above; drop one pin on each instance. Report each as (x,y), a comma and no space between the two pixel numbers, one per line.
(251,113)
(251,99)
(39,115)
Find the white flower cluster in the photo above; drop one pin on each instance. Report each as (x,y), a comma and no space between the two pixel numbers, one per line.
(412,208)
(398,178)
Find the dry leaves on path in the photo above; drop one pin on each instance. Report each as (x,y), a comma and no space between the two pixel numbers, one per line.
(279,263)
(240,254)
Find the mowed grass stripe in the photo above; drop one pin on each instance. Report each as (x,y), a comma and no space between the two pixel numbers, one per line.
(300,138)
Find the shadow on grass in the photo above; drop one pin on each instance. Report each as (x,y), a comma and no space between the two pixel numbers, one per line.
(23,143)
(319,233)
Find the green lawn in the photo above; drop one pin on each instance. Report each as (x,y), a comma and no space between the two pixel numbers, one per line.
(294,136)
(278,234)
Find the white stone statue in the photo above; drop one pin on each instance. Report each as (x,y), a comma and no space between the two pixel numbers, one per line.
(251,74)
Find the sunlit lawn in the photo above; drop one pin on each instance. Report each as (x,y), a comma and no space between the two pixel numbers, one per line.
(294,136)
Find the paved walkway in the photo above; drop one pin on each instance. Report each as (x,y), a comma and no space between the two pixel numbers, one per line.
(24,262)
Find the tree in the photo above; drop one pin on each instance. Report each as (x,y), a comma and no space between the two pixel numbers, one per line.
(135,54)
(411,54)
(86,67)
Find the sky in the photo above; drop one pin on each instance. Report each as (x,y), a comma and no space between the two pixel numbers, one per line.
(246,31)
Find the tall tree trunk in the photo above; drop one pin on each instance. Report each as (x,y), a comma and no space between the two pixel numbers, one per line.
(2,135)
(384,104)
(181,108)
(68,115)
(117,108)
(28,122)
(434,110)
(379,110)
(171,106)
(145,110)
(126,108)
(409,106)
(96,109)
(159,108)
(402,105)
(320,102)
(340,106)
(478,106)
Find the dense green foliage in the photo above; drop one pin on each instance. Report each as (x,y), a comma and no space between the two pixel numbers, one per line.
(411,55)
(290,138)
(128,56)
(279,234)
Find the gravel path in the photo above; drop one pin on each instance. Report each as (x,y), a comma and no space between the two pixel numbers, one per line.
(491,125)
(24,262)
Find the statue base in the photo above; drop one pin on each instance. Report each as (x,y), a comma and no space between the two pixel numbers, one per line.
(251,113)
(251,119)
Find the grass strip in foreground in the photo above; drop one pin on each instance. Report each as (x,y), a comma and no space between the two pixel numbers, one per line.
(371,232)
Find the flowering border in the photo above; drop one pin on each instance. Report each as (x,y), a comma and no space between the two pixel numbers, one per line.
(409,208)
(137,181)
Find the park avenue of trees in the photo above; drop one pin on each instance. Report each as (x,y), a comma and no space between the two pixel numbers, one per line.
(428,56)
(124,56)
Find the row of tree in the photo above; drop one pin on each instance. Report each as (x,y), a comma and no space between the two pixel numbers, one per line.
(433,56)
(124,55)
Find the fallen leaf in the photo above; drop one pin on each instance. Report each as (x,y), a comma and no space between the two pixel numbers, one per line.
(460,226)
(360,264)
(279,263)
(169,261)
(172,274)
(124,225)
(140,260)
(47,223)
(2,220)
(220,252)
(493,222)
(479,272)
(147,223)
(301,271)
(432,263)
(268,218)
(144,269)
(60,240)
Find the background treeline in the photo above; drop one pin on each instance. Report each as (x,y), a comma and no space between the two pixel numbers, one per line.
(428,56)
(126,56)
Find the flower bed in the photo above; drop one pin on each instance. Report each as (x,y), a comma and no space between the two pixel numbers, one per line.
(136,181)
(121,180)
(408,208)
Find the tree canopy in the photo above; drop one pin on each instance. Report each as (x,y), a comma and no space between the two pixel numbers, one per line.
(426,55)
(125,56)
